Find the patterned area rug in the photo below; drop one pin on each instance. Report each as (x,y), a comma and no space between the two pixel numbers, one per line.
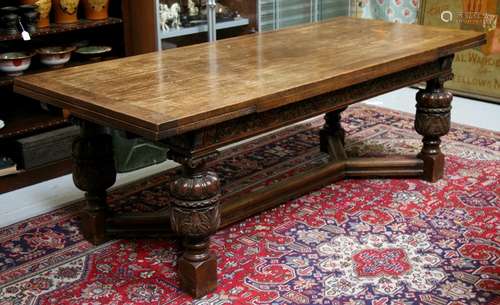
(354,242)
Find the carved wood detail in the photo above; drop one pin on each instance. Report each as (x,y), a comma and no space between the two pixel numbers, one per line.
(210,138)
(94,172)
(195,215)
(195,203)
(433,121)
(332,128)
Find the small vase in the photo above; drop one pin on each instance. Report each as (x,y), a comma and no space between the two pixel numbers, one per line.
(8,20)
(65,10)
(44,7)
(96,9)
(29,16)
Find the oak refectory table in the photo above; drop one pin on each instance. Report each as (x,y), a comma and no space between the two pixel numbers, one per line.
(197,99)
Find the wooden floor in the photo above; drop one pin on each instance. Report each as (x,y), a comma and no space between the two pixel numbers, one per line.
(47,196)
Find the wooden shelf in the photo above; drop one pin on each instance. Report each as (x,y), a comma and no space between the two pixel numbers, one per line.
(24,123)
(203,28)
(61,28)
(39,174)
(6,80)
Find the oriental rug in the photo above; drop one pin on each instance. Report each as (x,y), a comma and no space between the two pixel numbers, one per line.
(381,241)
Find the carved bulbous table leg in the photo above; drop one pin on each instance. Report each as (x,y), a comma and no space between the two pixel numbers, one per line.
(332,128)
(94,172)
(432,122)
(195,215)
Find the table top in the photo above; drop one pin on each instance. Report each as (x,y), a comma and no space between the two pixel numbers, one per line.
(161,94)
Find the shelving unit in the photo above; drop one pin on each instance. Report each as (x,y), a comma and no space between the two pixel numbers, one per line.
(24,117)
(62,28)
(27,123)
(6,81)
(36,175)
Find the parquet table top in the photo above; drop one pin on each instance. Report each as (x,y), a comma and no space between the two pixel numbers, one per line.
(161,94)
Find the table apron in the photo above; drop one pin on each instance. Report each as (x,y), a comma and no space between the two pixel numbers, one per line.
(202,141)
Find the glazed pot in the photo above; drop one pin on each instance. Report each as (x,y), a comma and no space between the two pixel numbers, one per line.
(29,15)
(96,9)
(65,10)
(8,20)
(44,7)
(15,63)
(55,57)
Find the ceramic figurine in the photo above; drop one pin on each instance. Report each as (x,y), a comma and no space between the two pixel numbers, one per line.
(193,10)
(175,11)
(170,16)
(221,10)
(164,17)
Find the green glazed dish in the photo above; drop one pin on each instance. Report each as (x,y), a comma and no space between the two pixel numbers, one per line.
(93,50)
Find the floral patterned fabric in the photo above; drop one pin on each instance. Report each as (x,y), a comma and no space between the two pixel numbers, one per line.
(355,242)
(404,11)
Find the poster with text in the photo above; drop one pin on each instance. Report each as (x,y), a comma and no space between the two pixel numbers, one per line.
(477,71)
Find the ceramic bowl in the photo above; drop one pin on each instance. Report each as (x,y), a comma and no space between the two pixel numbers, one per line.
(93,52)
(15,63)
(55,57)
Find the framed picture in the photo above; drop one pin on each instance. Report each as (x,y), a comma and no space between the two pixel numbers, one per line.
(477,71)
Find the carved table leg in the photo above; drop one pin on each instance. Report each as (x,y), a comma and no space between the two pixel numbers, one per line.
(432,122)
(195,215)
(332,135)
(94,172)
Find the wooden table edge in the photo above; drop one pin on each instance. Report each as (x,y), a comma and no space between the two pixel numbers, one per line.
(157,130)
(148,131)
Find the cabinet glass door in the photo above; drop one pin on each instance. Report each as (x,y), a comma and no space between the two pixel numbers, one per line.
(277,14)
(294,12)
(328,9)
(267,15)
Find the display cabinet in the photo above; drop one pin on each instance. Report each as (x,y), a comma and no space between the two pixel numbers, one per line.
(277,14)
(147,35)
(33,131)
